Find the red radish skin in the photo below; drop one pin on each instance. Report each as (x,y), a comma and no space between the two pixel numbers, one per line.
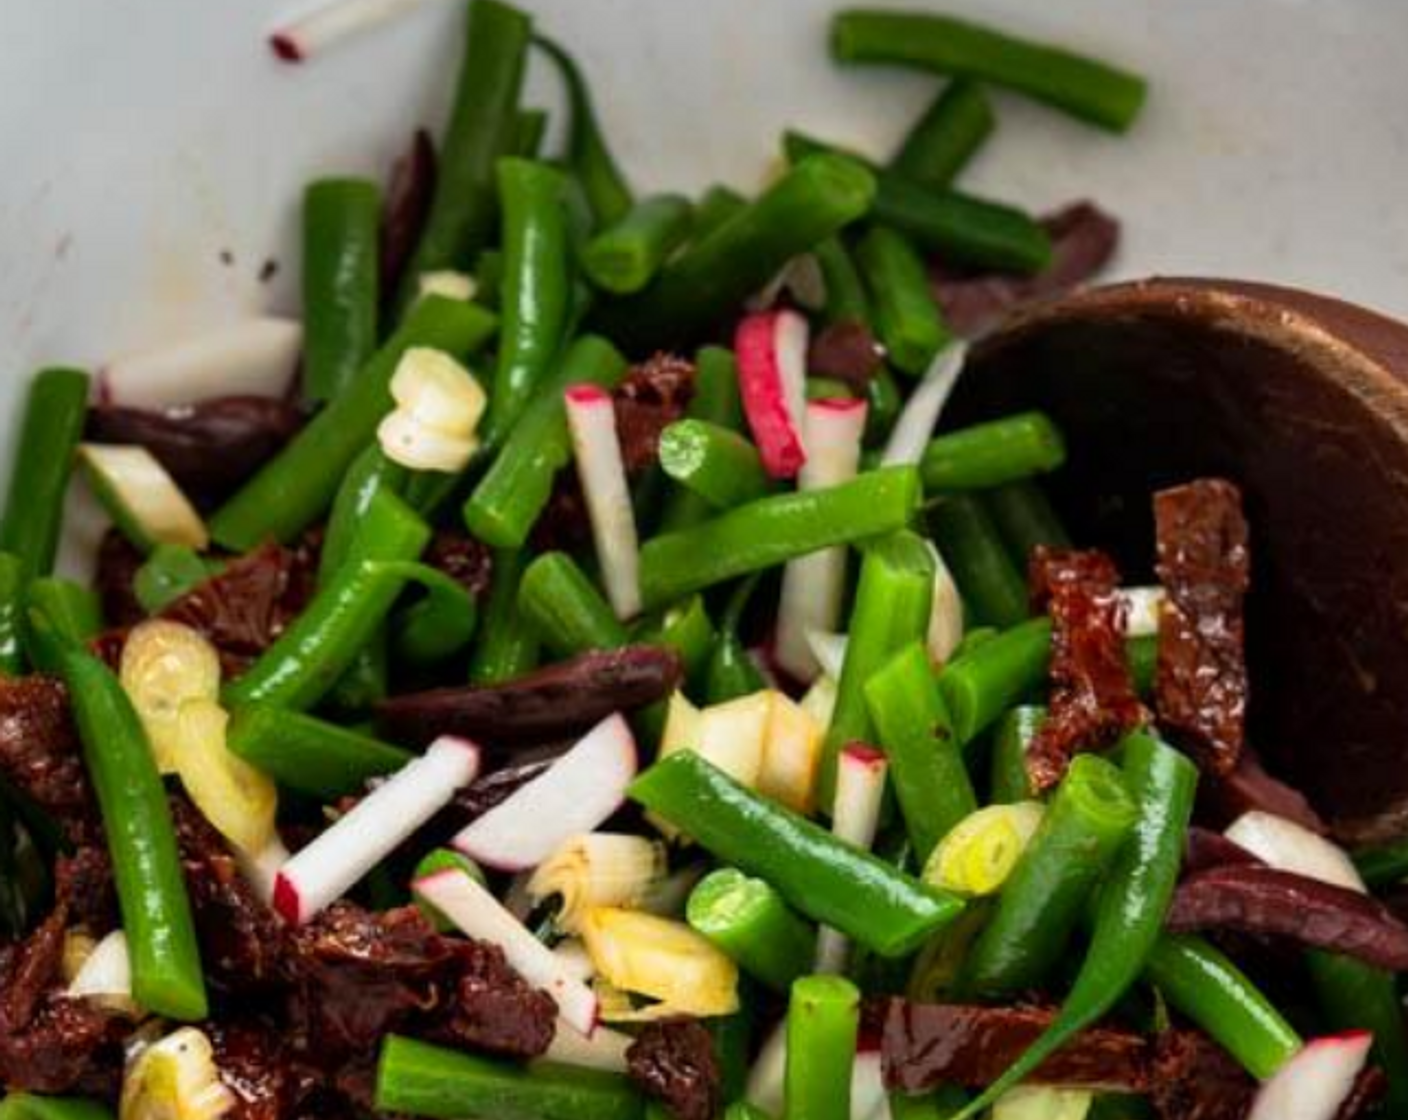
(1314,1083)
(596,447)
(285,48)
(342,854)
(771,348)
(479,915)
(576,794)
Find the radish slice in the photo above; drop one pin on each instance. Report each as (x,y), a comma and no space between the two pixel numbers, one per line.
(946,612)
(910,435)
(869,1100)
(302,38)
(855,817)
(1141,610)
(814,586)
(574,795)
(478,914)
(605,1049)
(768,1077)
(254,358)
(591,418)
(337,860)
(1316,1081)
(772,373)
(107,973)
(1288,846)
(829,651)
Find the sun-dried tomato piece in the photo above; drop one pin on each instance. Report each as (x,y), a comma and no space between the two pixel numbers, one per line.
(653,395)
(674,1061)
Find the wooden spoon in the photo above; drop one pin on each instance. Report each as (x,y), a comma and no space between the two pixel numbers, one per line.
(1303,401)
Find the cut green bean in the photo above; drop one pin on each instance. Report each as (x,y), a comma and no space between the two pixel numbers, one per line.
(930,780)
(423,1080)
(731,671)
(12,605)
(482,128)
(1357,996)
(72,610)
(773,530)
(705,283)
(943,1103)
(33,1106)
(1143,656)
(535,300)
(1085,87)
(1203,985)
(295,487)
(716,206)
(823,1018)
(435,627)
(830,881)
(170,571)
(49,433)
(751,923)
(1383,866)
(606,189)
(716,401)
(565,608)
(1011,781)
(992,453)
(508,644)
(151,891)
(686,629)
(625,256)
(508,499)
(1041,903)
(948,134)
(341,262)
(719,465)
(846,301)
(905,316)
(1025,518)
(370,473)
(310,755)
(993,589)
(959,228)
(530,127)
(981,685)
(883,403)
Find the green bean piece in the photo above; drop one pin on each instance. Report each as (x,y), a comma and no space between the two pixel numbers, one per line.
(733,1044)
(893,599)
(1357,996)
(489,278)
(1143,657)
(716,401)
(170,571)
(905,315)
(751,924)
(823,1019)
(535,300)
(706,282)
(992,453)
(508,644)
(830,881)
(151,891)
(1011,781)
(846,300)
(926,765)
(296,486)
(530,127)
(1384,865)
(1130,911)
(72,610)
(423,1080)
(482,128)
(960,228)
(341,262)
(742,1110)
(943,1103)
(570,615)
(1041,903)
(1025,519)
(508,499)
(54,412)
(828,389)
(437,626)
(12,595)
(442,859)
(716,206)
(310,755)
(993,589)
(625,256)
(982,684)
(686,629)
(773,530)
(719,465)
(731,671)
(1087,88)
(948,134)
(606,189)
(369,474)
(1202,984)
(883,402)
(33,1106)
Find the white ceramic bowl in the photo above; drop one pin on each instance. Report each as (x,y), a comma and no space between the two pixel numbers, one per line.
(145,138)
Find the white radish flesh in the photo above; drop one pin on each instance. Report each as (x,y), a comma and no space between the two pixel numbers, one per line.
(945,613)
(596,448)
(771,347)
(478,914)
(1141,610)
(829,650)
(912,431)
(855,817)
(1288,846)
(605,1049)
(1316,1081)
(814,585)
(313,33)
(576,794)
(342,855)
(254,358)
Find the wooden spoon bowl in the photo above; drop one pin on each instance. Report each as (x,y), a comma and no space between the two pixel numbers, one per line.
(1303,401)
